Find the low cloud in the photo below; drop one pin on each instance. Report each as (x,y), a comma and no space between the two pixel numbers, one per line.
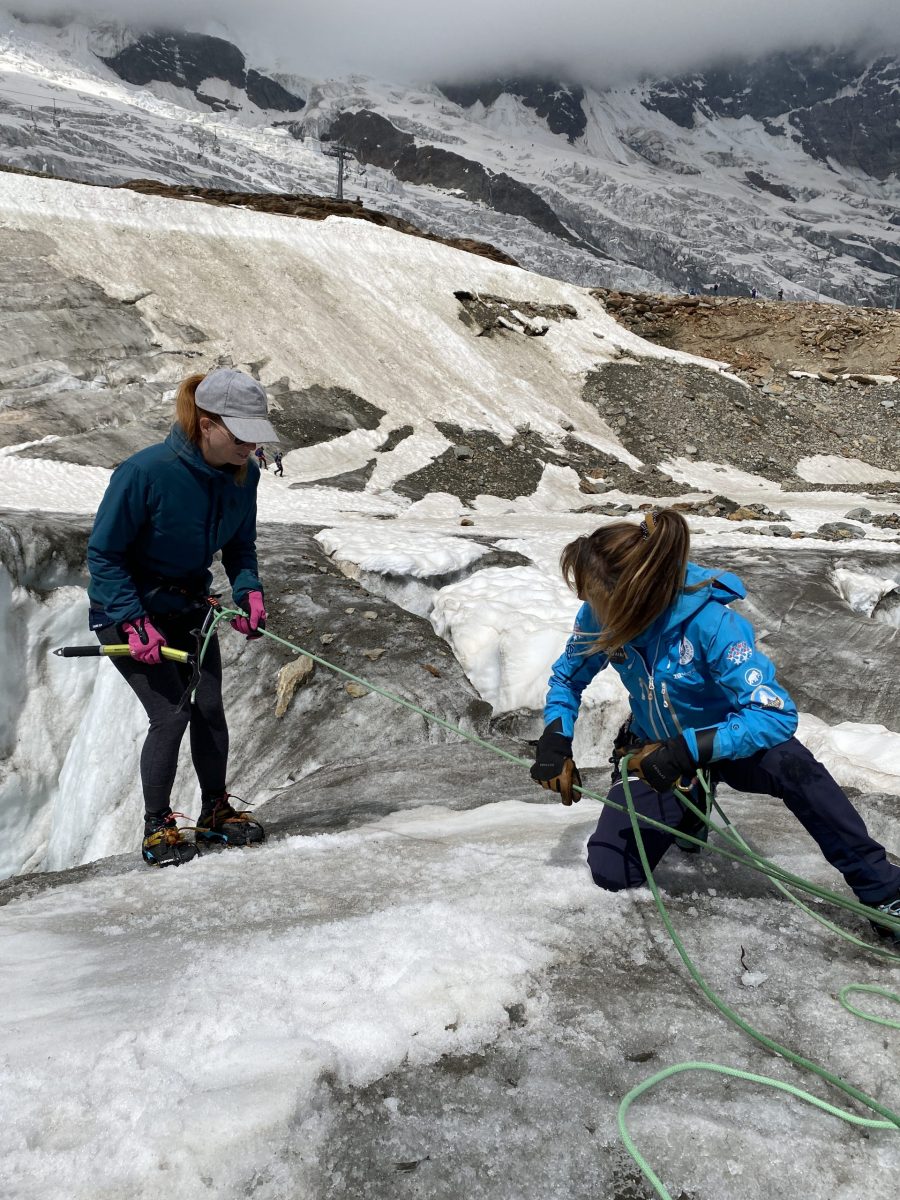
(602,41)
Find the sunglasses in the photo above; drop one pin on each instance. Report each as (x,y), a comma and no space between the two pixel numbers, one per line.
(237,441)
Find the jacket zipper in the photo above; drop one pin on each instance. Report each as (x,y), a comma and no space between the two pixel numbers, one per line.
(647,696)
(654,701)
(670,707)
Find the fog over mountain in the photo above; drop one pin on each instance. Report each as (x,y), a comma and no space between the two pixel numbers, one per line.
(596,41)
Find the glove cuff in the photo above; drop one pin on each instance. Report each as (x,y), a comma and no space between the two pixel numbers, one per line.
(706,745)
(552,741)
(682,753)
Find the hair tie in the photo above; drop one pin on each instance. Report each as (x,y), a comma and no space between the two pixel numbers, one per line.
(648,526)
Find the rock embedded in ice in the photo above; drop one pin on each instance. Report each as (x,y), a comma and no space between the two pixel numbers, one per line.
(290,677)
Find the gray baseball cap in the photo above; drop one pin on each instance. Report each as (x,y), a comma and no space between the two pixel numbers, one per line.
(240,401)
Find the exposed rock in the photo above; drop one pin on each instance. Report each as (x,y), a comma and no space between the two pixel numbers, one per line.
(373,139)
(187,60)
(838,103)
(837,531)
(290,677)
(559,104)
(310,207)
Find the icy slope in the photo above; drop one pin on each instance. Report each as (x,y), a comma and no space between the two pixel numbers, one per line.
(336,303)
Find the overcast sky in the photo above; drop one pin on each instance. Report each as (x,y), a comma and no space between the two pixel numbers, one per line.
(594,40)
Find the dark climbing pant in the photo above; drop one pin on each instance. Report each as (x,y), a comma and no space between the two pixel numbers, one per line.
(787,771)
(160,690)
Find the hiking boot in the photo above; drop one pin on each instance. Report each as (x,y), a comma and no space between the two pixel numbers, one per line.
(890,908)
(164,844)
(694,827)
(691,824)
(219,822)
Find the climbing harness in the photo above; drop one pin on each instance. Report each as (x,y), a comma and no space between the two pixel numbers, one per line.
(735,849)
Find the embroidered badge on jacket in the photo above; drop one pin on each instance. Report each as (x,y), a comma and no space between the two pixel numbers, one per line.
(767,698)
(738,652)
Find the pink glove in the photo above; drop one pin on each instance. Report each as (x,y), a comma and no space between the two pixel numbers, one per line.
(144,640)
(257,619)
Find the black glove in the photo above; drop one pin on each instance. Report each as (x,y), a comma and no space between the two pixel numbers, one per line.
(663,764)
(554,768)
(625,743)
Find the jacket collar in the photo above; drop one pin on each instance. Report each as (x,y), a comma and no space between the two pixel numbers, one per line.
(189,453)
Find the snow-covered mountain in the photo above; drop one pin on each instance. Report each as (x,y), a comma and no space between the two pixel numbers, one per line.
(779,174)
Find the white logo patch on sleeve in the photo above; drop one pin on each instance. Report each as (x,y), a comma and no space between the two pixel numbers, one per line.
(753,676)
(685,652)
(767,698)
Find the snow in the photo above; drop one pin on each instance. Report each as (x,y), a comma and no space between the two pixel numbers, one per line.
(379,293)
(506,626)
(419,555)
(857,755)
(328,970)
(862,589)
(832,468)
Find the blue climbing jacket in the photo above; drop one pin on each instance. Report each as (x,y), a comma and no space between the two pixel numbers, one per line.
(695,667)
(163,516)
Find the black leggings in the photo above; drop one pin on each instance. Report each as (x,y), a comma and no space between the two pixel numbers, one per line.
(160,689)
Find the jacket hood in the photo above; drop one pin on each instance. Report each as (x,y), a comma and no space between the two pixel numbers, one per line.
(700,586)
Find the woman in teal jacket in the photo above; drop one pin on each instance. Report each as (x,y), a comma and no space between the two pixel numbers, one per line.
(702,695)
(166,512)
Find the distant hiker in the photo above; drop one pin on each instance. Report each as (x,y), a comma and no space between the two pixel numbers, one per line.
(167,510)
(260,453)
(753,292)
(781,293)
(702,695)
(692,291)
(279,469)
(715,289)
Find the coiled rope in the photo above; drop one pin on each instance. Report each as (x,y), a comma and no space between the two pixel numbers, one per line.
(740,852)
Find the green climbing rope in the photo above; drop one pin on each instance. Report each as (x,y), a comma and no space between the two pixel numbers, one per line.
(892,1119)
(740,852)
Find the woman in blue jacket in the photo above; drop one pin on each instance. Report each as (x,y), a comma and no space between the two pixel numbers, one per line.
(702,695)
(166,512)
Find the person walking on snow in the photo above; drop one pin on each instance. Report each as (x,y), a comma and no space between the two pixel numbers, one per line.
(279,469)
(260,453)
(167,510)
(702,695)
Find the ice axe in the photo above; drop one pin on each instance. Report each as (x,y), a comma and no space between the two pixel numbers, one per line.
(122,650)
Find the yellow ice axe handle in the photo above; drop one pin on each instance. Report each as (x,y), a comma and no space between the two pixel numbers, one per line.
(119,650)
